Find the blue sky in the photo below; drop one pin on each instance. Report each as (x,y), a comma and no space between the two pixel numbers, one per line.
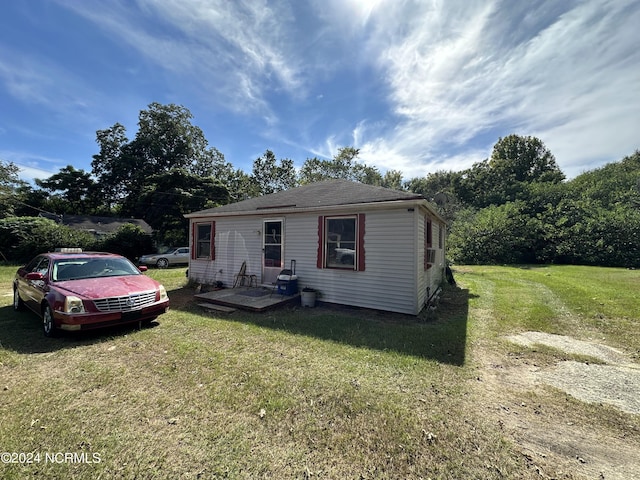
(417,86)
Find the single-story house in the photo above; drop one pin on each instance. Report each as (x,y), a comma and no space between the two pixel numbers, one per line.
(356,244)
(99,226)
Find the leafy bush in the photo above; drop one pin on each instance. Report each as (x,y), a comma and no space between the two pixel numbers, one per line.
(496,234)
(21,238)
(130,241)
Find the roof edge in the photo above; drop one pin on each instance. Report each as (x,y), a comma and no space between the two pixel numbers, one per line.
(408,202)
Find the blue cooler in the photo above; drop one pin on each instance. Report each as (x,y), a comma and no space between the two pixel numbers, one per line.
(287,284)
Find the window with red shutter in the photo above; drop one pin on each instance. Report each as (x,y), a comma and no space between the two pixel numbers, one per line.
(341,242)
(204,240)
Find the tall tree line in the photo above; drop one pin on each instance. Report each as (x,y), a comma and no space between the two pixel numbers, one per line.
(513,207)
(517,207)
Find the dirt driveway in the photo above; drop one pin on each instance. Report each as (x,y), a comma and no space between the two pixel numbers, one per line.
(600,442)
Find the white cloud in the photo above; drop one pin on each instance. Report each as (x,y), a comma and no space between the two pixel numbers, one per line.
(32,166)
(446,78)
(236,52)
(459,71)
(37,81)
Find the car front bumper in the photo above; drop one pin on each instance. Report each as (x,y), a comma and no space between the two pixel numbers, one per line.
(147,261)
(92,320)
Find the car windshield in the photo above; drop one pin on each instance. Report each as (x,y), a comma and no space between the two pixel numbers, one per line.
(77,268)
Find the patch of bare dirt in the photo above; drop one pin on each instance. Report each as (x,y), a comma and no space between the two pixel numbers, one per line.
(616,383)
(602,352)
(558,444)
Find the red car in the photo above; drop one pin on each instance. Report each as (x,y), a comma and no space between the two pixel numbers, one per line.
(82,291)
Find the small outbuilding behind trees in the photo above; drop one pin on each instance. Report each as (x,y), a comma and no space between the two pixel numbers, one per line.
(356,244)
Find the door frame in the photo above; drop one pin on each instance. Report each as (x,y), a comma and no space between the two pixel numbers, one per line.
(270,273)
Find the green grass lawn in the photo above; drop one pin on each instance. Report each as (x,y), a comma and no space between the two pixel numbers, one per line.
(290,393)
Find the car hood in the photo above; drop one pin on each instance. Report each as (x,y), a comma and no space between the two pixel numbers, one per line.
(103,287)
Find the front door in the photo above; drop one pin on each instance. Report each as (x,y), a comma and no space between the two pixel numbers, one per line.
(272,250)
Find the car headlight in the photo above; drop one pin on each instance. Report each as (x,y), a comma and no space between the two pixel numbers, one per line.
(163,293)
(73,305)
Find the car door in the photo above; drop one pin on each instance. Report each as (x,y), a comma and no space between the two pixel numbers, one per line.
(33,291)
(182,255)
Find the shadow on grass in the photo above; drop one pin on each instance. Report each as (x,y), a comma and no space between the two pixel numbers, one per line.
(440,336)
(21,332)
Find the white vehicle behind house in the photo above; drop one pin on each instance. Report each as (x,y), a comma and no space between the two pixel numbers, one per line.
(172,256)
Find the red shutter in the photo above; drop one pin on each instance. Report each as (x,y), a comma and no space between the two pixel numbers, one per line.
(213,241)
(194,241)
(360,248)
(425,245)
(320,260)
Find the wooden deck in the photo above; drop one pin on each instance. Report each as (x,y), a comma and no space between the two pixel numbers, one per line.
(255,299)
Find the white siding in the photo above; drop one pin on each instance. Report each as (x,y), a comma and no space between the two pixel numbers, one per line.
(388,281)
(432,277)
(394,278)
(238,239)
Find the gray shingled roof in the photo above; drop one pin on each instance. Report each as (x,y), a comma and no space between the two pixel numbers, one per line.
(320,194)
(97,224)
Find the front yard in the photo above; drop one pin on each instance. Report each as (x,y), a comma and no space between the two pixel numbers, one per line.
(314,393)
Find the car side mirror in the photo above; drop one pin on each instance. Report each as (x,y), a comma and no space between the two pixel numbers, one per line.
(34,276)
(143,268)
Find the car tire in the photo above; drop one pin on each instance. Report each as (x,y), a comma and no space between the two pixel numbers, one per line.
(162,263)
(18,304)
(48,325)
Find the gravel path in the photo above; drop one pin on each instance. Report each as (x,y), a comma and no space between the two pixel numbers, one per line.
(616,383)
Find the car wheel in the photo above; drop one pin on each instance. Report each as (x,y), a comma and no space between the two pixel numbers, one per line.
(162,263)
(48,326)
(18,304)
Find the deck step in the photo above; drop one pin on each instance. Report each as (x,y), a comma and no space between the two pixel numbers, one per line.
(217,308)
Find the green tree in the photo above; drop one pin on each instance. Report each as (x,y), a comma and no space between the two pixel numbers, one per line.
(166,140)
(21,238)
(517,159)
(71,191)
(129,241)
(110,167)
(30,202)
(516,162)
(495,234)
(439,188)
(343,165)
(241,186)
(611,184)
(269,177)
(9,181)
(168,196)
(393,179)
(211,163)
